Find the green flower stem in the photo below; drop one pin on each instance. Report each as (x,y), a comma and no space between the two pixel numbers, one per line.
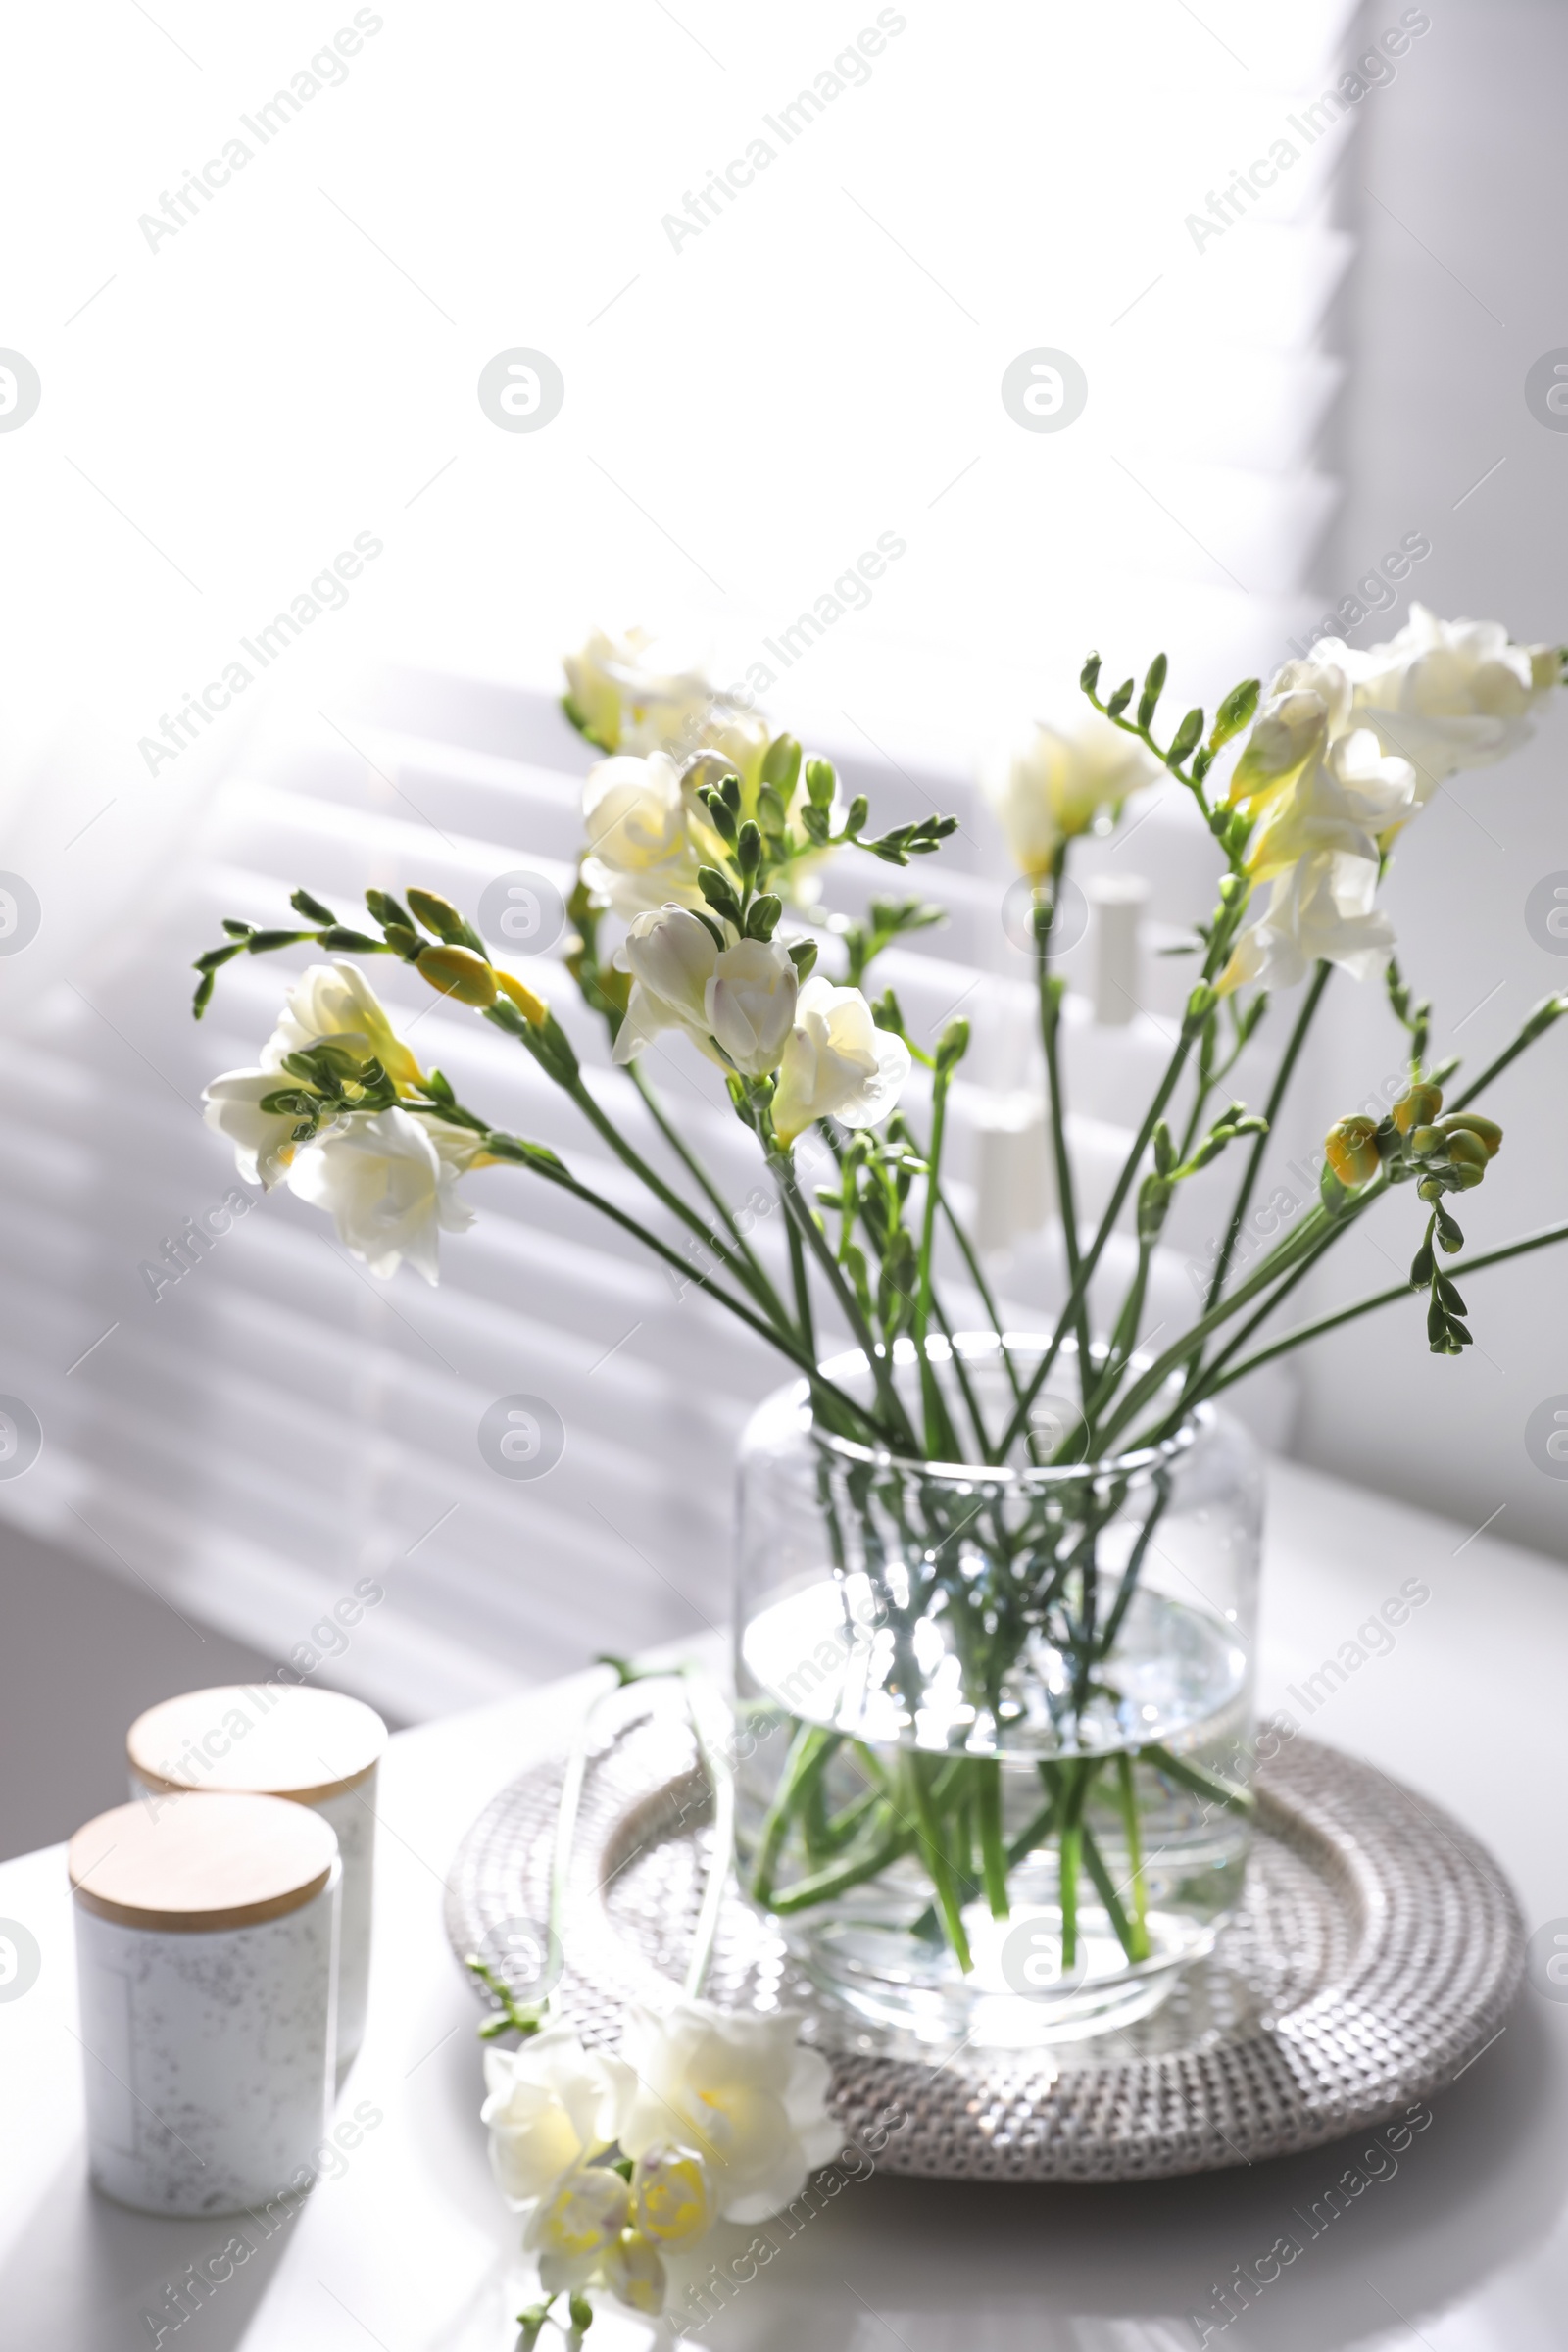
(1389,1298)
(1050,1026)
(814,1805)
(1132,1829)
(960,1372)
(800,1284)
(993,1850)
(1113,1209)
(1077,1778)
(893,1845)
(941,1440)
(1271,1112)
(734,1264)
(783,1165)
(1134,1940)
(806,1756)
(1124,1339)
(854,1414)
(1043,1822)
(935,1856)
(1194,1776)
(1128,1586)
(1534,1025)
(841,1829)
(1286,1255)
(762,1287)
(977,1277)
(1033,1835)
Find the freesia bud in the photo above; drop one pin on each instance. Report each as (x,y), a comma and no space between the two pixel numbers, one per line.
(437,914)
(1487,1132)
(1417,1106)
(1467,1151)
(533,1009)
(1350,1148)
(459,972)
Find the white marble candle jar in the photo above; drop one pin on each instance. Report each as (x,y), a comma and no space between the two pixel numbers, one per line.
(206,1963)
(314,1747)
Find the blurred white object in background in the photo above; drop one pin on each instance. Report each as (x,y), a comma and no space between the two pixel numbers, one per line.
(1118,901)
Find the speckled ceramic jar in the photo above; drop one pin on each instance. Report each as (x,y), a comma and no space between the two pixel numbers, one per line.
(207,1961)
(314,1747)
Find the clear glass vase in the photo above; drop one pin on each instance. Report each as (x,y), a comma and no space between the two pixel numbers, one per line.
(997,1722)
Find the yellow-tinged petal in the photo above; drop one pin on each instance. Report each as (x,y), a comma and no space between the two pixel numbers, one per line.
(674,2198)
(533,1009)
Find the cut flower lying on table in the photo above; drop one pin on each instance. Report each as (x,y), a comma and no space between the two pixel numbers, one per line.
(626,2160)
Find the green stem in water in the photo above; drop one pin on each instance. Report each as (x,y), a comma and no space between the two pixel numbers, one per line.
(851,1872)
(993,1849)
(806,1756)
(1201,1783)
(1078,1777)
(1127,1935)
(935,1857)
(1131,1827)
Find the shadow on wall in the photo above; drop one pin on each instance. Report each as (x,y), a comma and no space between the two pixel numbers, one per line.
(82,1653)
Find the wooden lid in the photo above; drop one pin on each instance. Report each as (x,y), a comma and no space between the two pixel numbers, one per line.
(277,1739)
(201,1862)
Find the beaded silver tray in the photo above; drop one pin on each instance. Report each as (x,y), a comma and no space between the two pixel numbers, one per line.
(1375,1952)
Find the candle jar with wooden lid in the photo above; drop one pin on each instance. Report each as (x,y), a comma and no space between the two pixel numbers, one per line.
(207,1964)
(314,1747)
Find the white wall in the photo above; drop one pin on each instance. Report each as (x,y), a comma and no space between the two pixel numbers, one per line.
(1448,305)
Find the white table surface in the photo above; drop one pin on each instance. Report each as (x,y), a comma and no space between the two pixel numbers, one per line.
(1464,2249)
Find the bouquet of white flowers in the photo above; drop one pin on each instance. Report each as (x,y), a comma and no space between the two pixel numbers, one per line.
(696,913)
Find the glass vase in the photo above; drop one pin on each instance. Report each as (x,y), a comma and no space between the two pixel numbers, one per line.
(996,1720)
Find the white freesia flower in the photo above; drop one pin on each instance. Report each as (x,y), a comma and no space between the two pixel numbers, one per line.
(576,2225)
(837,1063)
(1319,907)
(636,691)
(640,854)
(1348,799)
(336,1001)
(739,2090)
(1052,784)
(548,2110)
(672,2195)
(671,954)
(1305,708)
(391,1183)
(749,1003)
(634,2272)
(263,1140)
(740,998)
(1447,694)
